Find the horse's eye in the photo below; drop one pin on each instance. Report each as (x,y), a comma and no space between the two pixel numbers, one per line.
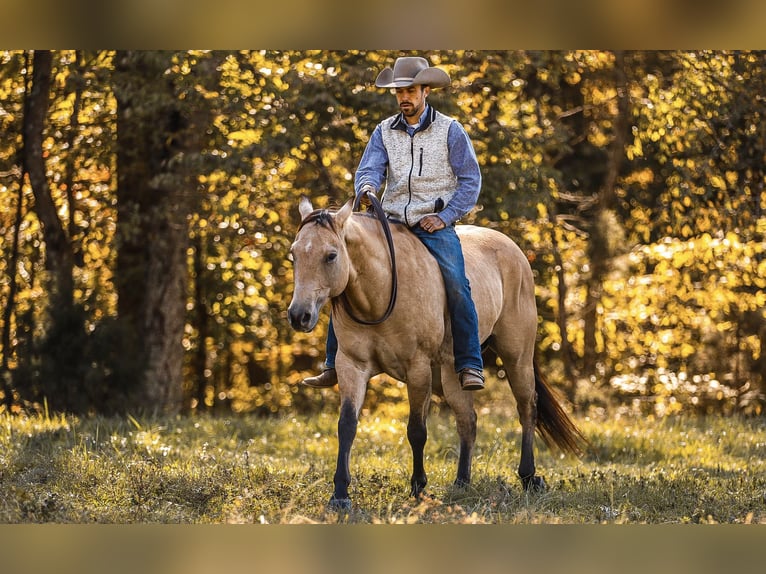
(331,257)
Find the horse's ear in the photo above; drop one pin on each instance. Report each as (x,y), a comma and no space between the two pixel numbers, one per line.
(305,207)
(342,214)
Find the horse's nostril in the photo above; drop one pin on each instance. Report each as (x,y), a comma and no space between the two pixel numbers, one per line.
(300,320)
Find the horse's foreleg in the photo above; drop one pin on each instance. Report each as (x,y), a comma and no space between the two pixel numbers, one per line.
(461,403)
(466,429)
(347,423)
(419,394)
(352,386)
(417,436)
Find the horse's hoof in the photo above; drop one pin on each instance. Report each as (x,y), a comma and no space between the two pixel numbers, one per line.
(534,484)
(461,483)
(339,504)
(419,494)
(417,490)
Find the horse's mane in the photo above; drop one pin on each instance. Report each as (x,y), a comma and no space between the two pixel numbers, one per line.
(321,217)
(324,218)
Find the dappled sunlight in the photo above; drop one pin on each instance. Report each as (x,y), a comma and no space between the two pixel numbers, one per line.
(252,470)
(630,179)
(147,270)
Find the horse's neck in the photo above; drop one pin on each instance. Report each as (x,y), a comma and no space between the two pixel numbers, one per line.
(369,285)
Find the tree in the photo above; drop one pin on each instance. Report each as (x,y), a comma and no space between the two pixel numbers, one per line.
(160,200)
(158,146)
(60,354)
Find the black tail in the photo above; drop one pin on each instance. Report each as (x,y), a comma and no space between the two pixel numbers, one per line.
(553,423)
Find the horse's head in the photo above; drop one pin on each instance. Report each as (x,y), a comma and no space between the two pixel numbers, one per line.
(320,263)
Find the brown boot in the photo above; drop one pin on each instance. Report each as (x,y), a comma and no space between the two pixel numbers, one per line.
(471,380)
(326,378)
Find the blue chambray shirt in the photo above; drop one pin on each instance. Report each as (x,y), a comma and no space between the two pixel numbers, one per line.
(462,157)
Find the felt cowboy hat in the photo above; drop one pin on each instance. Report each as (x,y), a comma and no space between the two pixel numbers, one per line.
(412,70)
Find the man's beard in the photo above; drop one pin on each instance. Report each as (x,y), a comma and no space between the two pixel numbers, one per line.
(408,110)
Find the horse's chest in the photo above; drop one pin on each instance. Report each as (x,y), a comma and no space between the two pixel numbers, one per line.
(394,353)
(397,355)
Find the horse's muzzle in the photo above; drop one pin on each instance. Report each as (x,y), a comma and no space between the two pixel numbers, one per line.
(302,319)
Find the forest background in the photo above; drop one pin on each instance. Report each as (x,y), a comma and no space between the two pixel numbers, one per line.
(148,200)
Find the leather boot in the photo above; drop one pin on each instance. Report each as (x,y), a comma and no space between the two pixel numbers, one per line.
(471,380)
(326,378)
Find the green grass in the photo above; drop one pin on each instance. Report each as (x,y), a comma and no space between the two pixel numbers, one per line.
(279,470)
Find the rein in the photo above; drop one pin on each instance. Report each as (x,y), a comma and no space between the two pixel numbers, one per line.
(381,215)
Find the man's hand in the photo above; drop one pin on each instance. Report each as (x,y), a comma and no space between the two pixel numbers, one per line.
(365,192)
(432,223)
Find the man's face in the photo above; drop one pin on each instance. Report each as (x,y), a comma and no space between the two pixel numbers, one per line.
(412,101)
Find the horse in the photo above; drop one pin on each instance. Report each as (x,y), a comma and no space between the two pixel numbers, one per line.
(342,256)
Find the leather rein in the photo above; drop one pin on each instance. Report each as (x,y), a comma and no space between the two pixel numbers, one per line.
(381,216)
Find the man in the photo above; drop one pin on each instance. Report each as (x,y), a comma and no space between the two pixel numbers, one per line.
(432,179)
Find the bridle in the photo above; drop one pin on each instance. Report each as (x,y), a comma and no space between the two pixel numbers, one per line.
(381,216)
(322,216)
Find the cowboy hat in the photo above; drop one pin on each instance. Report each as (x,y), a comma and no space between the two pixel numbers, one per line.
(412,70)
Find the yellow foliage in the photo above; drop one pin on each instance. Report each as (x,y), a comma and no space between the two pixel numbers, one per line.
(245,137)
(718,182)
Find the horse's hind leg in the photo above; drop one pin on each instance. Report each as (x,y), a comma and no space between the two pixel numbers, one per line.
(419,394)
(461,403)
(521,378)
(516,351)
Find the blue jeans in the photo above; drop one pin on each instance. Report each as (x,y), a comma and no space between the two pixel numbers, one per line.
(444,245)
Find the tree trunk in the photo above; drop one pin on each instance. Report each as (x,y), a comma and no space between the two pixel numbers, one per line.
(151,230)
(58,258)
(10,305)
(562,319)
(63,346)
(602,228)
(70,167)
(160,138)
(199,370)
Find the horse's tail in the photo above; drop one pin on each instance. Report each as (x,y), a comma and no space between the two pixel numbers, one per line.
(553,423)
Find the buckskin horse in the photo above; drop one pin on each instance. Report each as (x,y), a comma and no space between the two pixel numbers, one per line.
(390,316)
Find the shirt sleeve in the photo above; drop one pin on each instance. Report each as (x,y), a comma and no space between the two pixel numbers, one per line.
(373,165)
(462,158)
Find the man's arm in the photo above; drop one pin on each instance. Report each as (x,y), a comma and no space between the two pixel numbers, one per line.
(462,158)
(373,165)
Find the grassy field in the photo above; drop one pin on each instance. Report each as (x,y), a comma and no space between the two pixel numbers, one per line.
(246,469)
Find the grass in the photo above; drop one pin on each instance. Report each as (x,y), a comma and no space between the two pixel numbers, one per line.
(246,469)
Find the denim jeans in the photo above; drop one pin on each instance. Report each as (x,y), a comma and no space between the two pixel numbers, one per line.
(444,245)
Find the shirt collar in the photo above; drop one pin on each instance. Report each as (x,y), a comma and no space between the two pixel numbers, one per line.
(412,127)
(423,121)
